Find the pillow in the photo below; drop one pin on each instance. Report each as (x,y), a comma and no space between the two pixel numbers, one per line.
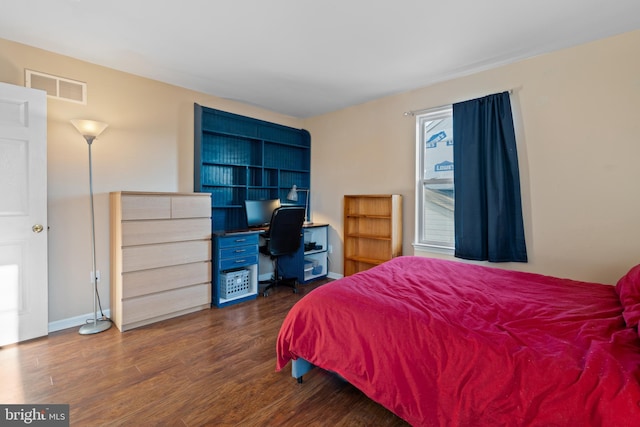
(628,289)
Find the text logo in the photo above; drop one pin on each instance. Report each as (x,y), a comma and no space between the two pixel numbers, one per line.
(55,415)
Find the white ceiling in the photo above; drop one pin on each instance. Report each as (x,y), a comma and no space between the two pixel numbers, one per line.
(304,57)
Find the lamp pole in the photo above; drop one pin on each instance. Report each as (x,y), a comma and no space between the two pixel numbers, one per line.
(90,130)
(293,196)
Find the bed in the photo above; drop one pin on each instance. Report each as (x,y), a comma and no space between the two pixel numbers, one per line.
(450,343)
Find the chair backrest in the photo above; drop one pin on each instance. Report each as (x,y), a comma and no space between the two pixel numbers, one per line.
(285,230)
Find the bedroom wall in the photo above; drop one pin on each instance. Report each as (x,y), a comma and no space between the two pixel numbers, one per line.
(577,123)
(148,146)
(576,116)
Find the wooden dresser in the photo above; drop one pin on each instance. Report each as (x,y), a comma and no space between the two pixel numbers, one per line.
(160,256)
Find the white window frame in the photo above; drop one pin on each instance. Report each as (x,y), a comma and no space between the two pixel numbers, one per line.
(419,243)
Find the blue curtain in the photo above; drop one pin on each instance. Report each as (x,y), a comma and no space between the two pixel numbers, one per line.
(488,210)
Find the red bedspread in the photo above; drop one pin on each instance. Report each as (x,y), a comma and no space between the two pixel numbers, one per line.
(448,343)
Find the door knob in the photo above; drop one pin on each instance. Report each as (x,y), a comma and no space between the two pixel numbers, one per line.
(37,228)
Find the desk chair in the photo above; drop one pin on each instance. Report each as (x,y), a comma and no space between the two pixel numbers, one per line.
(283,238)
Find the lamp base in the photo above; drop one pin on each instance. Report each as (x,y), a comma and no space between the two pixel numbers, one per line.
(307,223)
(95,327)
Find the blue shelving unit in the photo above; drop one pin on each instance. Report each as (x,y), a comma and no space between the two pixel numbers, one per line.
(238,158)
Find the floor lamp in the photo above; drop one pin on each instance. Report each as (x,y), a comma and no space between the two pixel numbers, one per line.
(293,196)
(90,130)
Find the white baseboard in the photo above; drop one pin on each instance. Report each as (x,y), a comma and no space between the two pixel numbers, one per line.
(76,321)
(73,322)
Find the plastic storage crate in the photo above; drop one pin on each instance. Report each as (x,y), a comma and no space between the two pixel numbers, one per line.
(234,283)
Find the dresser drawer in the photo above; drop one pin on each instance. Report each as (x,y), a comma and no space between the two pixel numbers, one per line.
(239,251)
(143,282)
(238,240)
(191,207)
(228,264)
(147,307)
(145,207)
(163,231)
(162,255)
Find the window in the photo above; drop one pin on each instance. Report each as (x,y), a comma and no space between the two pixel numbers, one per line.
(434,178)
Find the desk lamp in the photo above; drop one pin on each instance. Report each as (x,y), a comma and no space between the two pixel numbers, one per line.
(293,196)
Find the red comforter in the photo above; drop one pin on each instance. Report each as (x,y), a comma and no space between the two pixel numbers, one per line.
(448,343)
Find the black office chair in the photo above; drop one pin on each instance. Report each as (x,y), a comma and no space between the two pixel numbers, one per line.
(283,238)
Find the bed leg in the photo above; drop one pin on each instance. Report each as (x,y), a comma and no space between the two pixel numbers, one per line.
(299,367)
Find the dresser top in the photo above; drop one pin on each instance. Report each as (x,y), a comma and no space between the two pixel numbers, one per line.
(158,193)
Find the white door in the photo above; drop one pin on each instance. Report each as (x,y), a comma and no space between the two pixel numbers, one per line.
(23,214)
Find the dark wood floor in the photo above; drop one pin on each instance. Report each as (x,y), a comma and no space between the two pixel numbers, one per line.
(214,367)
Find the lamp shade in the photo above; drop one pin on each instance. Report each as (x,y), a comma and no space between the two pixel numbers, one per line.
(293,194)
(89,128)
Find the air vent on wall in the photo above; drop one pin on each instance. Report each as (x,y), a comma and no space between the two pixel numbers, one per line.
(57,87)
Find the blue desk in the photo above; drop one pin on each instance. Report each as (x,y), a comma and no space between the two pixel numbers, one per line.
(235,268)
(311,261)
(236,262)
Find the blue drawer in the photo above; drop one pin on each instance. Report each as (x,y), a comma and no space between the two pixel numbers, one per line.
(238,240)
(238,251)
(237,262)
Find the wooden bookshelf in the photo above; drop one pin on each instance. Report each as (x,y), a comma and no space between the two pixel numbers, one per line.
(372,230)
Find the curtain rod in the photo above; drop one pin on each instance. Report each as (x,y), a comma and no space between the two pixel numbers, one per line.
(424,110)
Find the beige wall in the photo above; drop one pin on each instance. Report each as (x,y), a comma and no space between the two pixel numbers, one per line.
(577,115)
(577,121)
(148,146)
